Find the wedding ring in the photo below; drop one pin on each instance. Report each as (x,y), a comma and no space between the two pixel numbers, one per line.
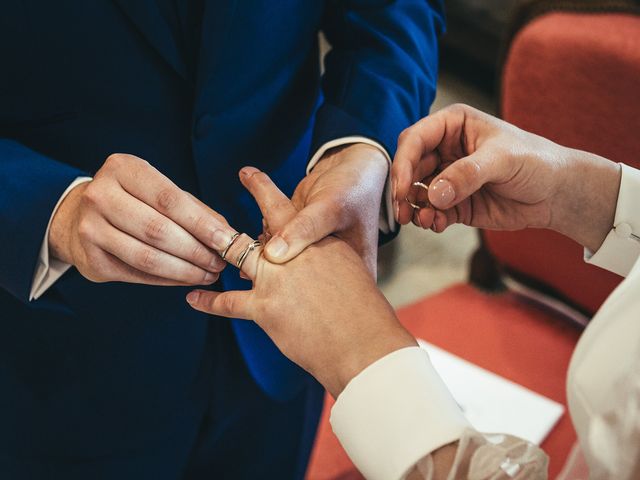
(415,206)
(234,237)
(245,253)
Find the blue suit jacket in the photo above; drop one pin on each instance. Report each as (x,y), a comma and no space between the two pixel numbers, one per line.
(81,80)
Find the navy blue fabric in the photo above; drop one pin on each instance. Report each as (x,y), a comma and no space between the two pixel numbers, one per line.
(100,372)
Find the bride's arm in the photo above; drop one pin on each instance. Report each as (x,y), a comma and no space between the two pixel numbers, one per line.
(323,310)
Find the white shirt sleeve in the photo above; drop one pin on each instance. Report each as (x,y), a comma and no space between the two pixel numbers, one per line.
(387,218)
(394,413)
(620,250)
(49,269)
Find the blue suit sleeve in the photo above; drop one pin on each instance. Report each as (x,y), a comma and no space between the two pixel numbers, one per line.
(30,187)
(380,76)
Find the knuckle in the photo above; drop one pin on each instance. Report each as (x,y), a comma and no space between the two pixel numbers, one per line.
(167,199)
(469,169)
(115,161)
(404,134)
(227,303)
(146,259)
(86,231)
(458,108)
(304,226)
(278,204)
(92,195)
(156,229)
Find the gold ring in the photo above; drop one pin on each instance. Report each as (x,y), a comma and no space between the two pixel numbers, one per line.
(234,237)
(245,253)
(415,206)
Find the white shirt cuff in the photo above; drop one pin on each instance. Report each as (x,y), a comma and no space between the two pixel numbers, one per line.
(49,269)
(394,413)
(387,218)
(620,250)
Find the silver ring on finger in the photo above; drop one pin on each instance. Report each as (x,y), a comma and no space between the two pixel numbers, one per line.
(233,239)
(245,253)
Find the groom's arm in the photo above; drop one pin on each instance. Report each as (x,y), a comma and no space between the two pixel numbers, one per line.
(380,75)
(31,185)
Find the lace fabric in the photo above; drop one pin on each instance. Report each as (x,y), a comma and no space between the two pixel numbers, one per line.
(490,457)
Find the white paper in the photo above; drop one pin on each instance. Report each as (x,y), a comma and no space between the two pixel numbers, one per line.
(492,403)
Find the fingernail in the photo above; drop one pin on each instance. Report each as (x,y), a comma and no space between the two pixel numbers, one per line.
(246,171)
(217,264)
(444,193)
(220,239)
(209,277)
(419,221)
(395,188)
(396,209)
(277,247)
(192,297)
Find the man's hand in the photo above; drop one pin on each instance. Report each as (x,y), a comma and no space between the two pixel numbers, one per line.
(341,196)
(333,333)
(132,224)
(486,173)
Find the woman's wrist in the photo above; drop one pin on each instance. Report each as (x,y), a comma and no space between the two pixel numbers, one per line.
(361,353)
(585,203)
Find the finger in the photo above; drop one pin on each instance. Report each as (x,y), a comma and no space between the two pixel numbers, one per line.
(147,184)
(275,206)
(242,250)
(443,219)
(313,223)
(110,268)
(463,178)
(232,304)
(414,144)
(150,260)
(425,217)
(139,220)
(413,164)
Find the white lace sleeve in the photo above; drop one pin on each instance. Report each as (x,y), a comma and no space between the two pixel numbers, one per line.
(489,457)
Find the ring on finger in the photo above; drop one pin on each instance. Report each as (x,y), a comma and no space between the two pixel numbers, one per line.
(245,253)
(233,239)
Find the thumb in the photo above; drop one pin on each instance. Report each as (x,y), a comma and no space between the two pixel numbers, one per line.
(310,225)
(462,179)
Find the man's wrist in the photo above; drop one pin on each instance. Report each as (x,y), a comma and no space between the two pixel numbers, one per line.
(372,152)
(60,232)
(585,204)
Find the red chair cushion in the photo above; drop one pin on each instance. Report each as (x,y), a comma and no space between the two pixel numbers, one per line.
(501,333)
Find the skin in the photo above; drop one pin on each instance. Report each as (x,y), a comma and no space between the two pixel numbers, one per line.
(483,172)
(132,224)
(486,173)
(341,196)
(333,340)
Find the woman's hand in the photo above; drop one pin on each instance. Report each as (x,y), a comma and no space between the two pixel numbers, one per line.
(486,173)
(322,309)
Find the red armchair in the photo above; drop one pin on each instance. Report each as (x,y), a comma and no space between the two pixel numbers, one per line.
(574,78)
